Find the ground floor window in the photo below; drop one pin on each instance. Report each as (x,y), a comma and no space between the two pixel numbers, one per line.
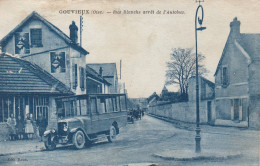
(21,105)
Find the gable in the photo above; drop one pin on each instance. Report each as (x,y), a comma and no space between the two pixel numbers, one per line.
(49,39)
(248,45)
(53,28)
(222,56)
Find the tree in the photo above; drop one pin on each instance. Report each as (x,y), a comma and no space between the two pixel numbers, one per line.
(181,66)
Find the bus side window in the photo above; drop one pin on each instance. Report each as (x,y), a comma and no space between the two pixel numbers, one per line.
(101,106)
(122,102)
(115,104)
(60,109)
(109,105)
(83,104)
(93,106)
(78,110)
(67,107)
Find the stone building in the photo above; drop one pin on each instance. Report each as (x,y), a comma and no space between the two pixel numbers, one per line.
(237,79)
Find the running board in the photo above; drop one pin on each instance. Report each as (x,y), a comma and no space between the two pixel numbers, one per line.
(99,137)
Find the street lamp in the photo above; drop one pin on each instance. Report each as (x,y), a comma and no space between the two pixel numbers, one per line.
(200,20)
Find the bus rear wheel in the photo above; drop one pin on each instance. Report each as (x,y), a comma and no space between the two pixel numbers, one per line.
(112,134)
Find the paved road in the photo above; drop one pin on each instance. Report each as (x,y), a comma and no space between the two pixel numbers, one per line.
(137,143)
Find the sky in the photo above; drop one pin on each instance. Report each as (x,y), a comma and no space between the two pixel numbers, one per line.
(142,41)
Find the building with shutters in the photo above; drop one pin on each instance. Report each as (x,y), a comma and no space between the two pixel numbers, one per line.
(237,80)
(40,42)
(39,62)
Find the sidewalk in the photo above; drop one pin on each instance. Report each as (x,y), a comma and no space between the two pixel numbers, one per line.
(20,146)
(218,143)
(191,126)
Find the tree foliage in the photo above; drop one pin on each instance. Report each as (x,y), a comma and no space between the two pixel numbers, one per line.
(181,66)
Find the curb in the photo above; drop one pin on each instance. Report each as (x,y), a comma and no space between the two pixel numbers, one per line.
(200,157)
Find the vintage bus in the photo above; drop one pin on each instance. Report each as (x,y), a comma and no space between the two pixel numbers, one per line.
(82,119)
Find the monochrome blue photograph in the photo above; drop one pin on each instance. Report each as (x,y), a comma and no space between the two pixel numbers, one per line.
(130,83)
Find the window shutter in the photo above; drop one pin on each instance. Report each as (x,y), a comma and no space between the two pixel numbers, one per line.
(82,78)
(75,76)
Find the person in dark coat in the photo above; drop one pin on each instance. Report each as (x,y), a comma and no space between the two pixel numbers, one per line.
(20,127)
(41,124)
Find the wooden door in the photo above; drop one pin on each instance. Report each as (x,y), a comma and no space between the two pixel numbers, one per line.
(236,109)
(209,111)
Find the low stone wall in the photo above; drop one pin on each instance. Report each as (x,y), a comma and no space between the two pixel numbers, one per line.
(183,111)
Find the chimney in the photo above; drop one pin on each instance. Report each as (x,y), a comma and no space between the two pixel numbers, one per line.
(74,32)
(235,28)
(100,72)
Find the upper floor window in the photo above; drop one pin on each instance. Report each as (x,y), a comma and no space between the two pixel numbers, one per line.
(22,43)
(36,37)
(225,80)
(57,62)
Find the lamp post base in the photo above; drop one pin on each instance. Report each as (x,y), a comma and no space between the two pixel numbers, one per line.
(197,139)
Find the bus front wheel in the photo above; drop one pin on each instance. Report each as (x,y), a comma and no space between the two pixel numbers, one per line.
(79,139)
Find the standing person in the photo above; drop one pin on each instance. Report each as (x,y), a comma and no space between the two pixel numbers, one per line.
(41,124)
(11,121)
(29,127)
(20,127)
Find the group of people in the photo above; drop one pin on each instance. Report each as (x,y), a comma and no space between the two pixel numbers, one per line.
(137,113)
(27,128)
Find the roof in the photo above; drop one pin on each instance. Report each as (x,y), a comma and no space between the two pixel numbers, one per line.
(35,15)
(20,76)
(210,83)
(109,69)
(154,95)
(91,72)
(248,44)
(251,44)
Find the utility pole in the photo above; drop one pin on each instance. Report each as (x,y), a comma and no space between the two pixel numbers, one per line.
(81,29)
